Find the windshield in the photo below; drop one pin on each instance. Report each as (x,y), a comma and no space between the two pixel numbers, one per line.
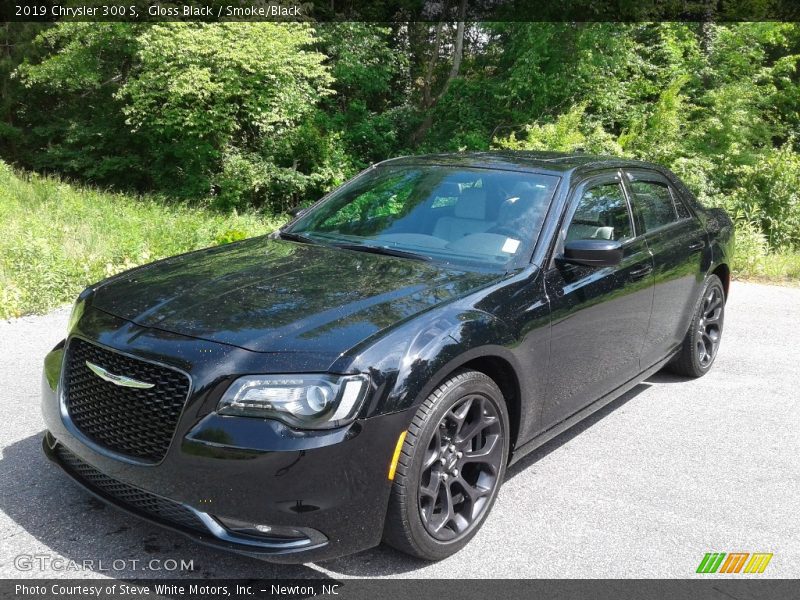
(448,214)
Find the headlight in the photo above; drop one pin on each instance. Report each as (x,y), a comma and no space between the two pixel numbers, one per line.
(307,401)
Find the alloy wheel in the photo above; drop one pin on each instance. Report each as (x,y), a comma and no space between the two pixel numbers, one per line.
(709,326)
(461,468)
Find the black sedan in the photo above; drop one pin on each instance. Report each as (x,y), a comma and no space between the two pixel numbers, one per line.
(368,372)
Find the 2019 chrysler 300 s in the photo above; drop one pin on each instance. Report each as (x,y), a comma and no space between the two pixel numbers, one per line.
(368,372)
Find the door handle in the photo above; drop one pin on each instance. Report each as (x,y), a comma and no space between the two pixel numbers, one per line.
(640,272)
(697,246)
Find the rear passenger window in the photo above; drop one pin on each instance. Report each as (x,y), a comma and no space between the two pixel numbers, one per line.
(602,214)
(654,200)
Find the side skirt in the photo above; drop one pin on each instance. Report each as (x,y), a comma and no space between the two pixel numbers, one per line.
(544,437)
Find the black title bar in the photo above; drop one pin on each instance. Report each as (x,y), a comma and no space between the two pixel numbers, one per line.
(712,587)
(401,10)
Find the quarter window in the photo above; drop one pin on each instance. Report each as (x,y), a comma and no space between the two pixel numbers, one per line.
(683,212)
(601,214)
(654,200)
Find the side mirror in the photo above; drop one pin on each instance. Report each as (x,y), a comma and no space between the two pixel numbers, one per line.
(593,253)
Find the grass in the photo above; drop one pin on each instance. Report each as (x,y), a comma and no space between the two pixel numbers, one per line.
(755,261)
(57,238)
(782,268)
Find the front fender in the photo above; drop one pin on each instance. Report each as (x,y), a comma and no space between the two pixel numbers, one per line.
(407,365)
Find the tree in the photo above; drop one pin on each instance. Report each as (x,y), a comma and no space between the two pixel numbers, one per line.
(186,101)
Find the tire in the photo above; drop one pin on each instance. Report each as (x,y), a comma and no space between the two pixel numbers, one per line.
(442,493)
(701,344)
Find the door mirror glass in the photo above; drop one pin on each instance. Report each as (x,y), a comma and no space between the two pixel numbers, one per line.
(593,253)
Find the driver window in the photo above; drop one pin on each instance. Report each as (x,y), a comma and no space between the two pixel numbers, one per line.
(601,214)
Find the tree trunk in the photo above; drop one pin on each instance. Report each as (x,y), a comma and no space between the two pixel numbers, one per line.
(427,99)
(458,52)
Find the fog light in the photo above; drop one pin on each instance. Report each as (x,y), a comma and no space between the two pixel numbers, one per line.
(258,530)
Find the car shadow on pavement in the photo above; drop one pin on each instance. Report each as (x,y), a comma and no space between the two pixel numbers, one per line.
(665,377)
(68,523)
(575,430)
(383,560)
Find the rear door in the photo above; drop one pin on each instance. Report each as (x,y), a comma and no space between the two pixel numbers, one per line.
(599,315)
(676,239)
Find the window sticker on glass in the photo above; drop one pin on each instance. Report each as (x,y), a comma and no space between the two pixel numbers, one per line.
(511,245)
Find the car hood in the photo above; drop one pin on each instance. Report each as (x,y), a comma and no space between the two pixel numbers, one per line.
(270,295)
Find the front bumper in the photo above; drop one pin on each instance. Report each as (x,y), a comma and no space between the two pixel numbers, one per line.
(330,486)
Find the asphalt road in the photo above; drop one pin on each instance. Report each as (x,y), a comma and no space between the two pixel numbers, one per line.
(646,487)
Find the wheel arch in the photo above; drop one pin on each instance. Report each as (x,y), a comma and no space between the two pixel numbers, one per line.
(503,374)
(496,366)
(723,271)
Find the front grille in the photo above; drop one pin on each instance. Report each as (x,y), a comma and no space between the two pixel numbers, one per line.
(126,495)
(134,422)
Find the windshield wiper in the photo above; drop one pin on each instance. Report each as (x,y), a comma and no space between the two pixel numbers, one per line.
(384,250)
(296,237)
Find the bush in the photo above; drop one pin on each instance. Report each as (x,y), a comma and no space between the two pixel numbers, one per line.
(571,131)
(768,196)
(751,248)
(177,107)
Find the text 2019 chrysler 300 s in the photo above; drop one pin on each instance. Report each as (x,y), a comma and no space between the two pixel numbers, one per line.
(368,372)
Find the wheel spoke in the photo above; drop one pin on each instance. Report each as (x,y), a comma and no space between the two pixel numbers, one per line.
(473,492)
(701,351)
(431,459)
(709,300)
(446,515)
(713,307)
(474,428)
(460,522)
(706,342)
(458,414)
(432,489)
(487,453)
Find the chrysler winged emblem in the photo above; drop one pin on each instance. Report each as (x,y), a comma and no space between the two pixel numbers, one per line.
(121,380)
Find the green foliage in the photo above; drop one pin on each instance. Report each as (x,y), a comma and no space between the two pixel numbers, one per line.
(570,132)
(365,115)
(754,260)
(709,101)
(270,116)
(657,135)
(177,107)
(56,238)
(768,196)
(200,89)
(230,235)
(751,247)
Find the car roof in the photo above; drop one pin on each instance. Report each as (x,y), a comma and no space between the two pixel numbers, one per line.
(552,162)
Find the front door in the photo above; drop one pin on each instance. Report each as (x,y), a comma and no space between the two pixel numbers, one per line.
(599,314)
